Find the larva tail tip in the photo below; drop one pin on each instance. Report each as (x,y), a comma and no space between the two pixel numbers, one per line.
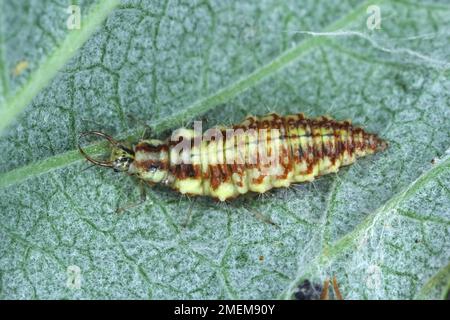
(382,145)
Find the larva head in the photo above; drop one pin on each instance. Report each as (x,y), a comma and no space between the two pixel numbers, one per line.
(151,161)
(121,156)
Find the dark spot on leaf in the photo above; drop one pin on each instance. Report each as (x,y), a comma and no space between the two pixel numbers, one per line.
(308,291)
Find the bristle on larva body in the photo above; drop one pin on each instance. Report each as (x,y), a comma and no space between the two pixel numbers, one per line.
(300,150)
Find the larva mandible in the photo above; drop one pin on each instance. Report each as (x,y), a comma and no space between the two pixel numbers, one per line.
(261,153)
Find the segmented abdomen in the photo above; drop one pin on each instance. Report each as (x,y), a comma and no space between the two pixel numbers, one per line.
(291,149)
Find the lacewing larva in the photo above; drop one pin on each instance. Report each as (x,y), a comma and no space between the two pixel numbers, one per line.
(256,155)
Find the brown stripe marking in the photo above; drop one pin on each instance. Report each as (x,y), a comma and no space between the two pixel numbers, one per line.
(146,147)
(148,164)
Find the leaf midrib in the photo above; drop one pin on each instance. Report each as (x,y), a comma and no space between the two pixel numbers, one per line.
(200,106)
(4,81)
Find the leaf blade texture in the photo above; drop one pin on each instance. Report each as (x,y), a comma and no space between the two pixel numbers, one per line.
(381,226)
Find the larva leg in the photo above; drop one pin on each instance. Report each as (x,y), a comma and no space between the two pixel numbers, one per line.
(143,198)
(189,215)
(258,215)
(247,198)
(146,133)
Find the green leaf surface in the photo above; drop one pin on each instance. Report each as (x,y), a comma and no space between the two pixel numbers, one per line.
(381,226)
